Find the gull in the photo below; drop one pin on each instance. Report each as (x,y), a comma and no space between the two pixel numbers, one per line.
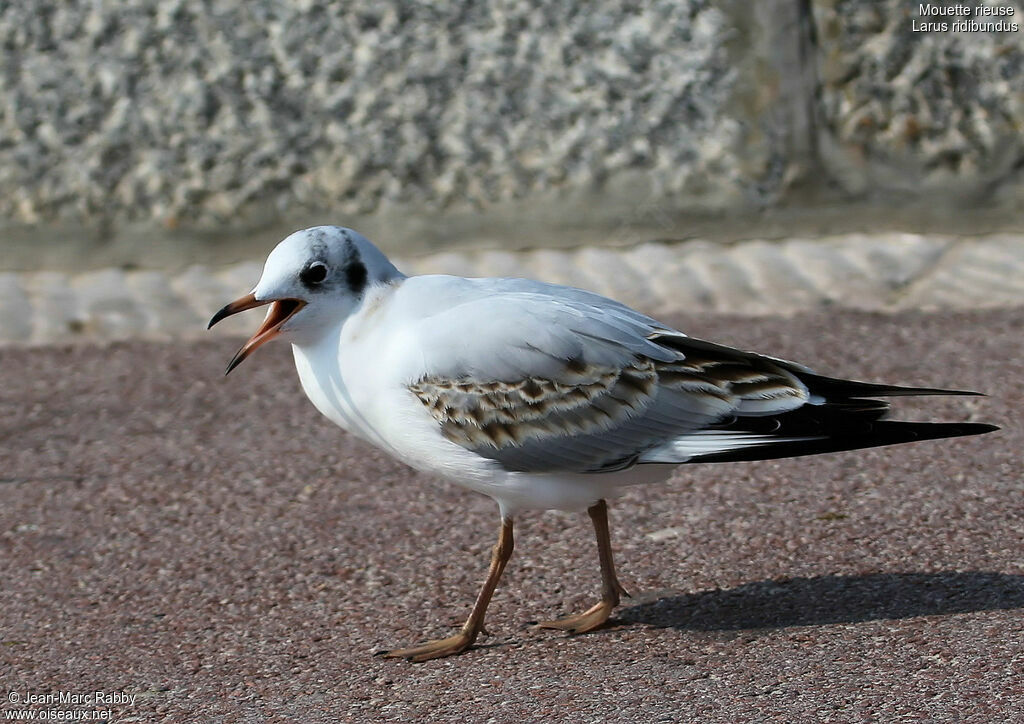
(540,396)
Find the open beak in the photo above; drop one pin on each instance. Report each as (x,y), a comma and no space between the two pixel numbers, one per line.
(281,310)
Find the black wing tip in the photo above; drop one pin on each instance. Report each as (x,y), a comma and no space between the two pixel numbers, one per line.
(980,428)
(831,388)
(880,434)
(840,389)
(940,391)
(914,431)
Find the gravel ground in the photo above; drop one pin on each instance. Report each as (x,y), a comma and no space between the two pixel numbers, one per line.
(215,549)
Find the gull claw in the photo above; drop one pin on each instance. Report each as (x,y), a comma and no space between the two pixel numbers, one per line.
(593,618)
(436,649)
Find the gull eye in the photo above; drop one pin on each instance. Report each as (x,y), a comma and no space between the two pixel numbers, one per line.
(314,273)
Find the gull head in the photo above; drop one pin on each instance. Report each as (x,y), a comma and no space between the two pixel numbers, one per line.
(314,279)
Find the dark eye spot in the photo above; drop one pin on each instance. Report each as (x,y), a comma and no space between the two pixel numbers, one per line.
(314,273)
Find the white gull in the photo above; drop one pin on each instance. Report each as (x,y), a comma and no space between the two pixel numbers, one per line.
(538,395)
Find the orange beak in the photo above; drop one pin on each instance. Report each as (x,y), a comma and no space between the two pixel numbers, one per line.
(281,310)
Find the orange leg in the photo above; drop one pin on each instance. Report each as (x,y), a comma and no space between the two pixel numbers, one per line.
(500,555)
(611,589)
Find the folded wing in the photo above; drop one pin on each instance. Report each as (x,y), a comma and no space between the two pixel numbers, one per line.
(572,382)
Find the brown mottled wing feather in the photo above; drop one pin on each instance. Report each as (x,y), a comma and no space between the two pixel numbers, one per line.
(599,418)
(503,414)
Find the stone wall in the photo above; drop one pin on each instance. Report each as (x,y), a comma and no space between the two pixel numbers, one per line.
(919,112)
(172,119)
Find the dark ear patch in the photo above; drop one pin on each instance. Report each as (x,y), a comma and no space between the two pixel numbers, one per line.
(355,270)
(355,275)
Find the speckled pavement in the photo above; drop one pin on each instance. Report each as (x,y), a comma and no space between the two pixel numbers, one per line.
(879,272)
(215,550)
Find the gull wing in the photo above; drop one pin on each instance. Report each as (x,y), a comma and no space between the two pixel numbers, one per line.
(542,378)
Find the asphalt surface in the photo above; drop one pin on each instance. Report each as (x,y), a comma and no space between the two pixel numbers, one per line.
(215,549)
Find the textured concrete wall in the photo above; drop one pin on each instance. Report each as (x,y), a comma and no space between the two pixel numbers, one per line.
(919,112)
(169,118)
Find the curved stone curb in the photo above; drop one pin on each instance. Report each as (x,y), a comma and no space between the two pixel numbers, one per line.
(877,272)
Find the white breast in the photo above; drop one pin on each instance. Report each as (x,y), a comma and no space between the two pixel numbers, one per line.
(351,376)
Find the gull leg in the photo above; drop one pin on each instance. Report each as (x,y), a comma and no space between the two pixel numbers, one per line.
(500,555)
(611,589)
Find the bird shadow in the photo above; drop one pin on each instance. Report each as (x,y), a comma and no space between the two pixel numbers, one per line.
(824,600)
